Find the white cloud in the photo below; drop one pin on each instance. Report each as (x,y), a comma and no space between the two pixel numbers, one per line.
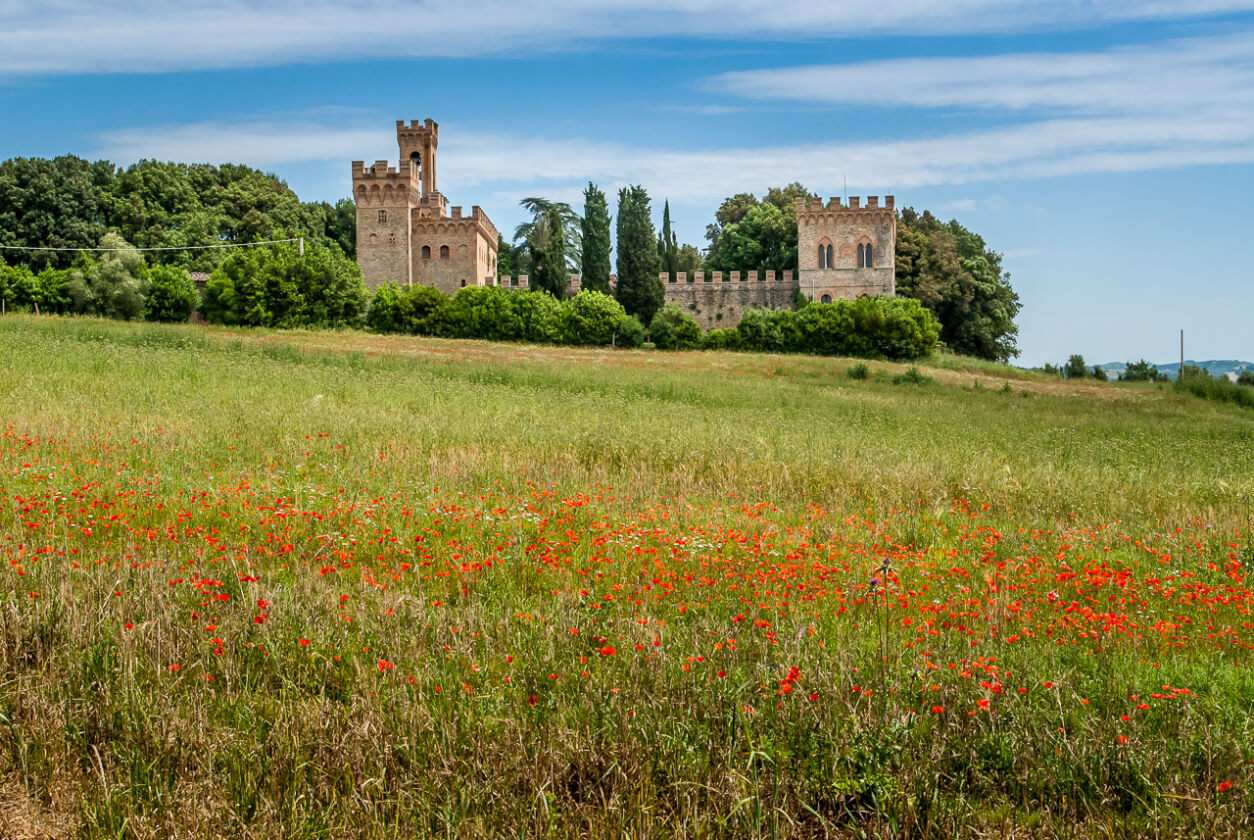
(1181,78)
(472,163)
(90,36)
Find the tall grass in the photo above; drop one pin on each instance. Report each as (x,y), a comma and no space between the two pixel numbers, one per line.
(336,585)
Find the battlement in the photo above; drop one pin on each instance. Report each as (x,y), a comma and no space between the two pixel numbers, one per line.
(773,279)
(381,170)
(815,205)
(417,125)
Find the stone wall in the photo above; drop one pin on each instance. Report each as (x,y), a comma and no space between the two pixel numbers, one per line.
(718,299)
(845,228)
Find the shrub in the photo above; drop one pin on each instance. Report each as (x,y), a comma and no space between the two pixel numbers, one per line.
(1200,383)
(912,376)
(859,372)
(887,328)
(631,333)
(172,296)
(590,318)
(486,312)
(538,315)
(1246,378)
(721,340)
(1075,367)
(674,329)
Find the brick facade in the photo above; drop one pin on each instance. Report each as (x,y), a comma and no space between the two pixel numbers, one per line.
(848,234)
(406,232)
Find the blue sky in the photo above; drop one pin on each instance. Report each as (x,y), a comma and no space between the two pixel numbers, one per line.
(1107,149)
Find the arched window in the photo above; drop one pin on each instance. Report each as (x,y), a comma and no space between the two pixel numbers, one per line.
(383,216)
(825,299)
(444,252)
(822,256)
(861,255)
(829,257)
(868,255)
(426,252)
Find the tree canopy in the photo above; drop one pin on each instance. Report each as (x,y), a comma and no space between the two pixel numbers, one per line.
(68,202)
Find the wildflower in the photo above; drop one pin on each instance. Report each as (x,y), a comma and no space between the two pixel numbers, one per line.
(1223,786)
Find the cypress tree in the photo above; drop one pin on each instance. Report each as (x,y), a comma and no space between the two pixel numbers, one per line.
(639,290)
(596,241)
(548,249)
(667,244)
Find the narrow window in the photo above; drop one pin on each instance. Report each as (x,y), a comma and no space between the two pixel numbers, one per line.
(383,216)
(829,256)
(868,255)
(861,255)
(822,257)
(825,299)
(391,239)
(426,252)
(444,252)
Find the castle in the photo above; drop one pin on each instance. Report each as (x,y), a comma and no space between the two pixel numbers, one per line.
(407,234)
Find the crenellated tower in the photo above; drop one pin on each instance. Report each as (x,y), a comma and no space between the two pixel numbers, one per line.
(385,198)
(406,232)
(845,251)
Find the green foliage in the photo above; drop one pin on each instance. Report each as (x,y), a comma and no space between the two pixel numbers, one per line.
(912,376)
(674,329)
(1075,367)
(749,235)
(859,372)
(667,244)
(570,226)
(877,328)
(487,312)
(1099,373)
(1141,371)
(722,340)
(960,280)
(1246,378)
(596,241)
(70,203)
(590,318)
(416,310)
(276,287)
(172,296)
(1198,382)
(639,289)
(631,333)
(114,287)
(547,247)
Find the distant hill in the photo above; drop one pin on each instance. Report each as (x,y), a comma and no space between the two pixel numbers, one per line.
(1216,367)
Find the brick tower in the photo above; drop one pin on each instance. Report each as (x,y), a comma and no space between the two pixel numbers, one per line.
(406,232)
(846,252)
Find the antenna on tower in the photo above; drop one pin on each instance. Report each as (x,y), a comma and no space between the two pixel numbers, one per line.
(844,180)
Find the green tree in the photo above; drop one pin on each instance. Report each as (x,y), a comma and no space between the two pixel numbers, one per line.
(547,245)
(1075,367)
(60,203)
(596,241)
(753,235)
(571,227)
(172,296)
(667,244)
(592,318)
(639,290)
(953,273)
(1141,371)
(116,286)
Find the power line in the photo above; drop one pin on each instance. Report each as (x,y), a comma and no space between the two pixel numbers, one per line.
(165,248)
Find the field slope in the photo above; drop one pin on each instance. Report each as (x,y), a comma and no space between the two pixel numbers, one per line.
(264,584)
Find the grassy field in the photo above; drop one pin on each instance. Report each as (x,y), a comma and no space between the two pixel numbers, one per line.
(296,585)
